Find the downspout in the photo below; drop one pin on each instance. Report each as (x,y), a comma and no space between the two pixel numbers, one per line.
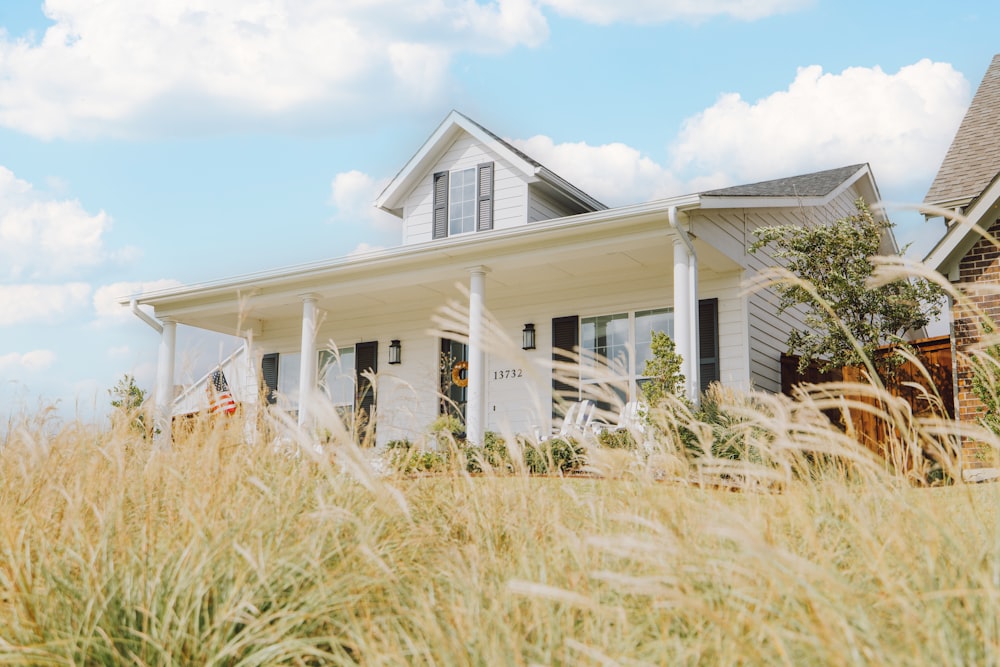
(163,396)
(691,353)
(145,317)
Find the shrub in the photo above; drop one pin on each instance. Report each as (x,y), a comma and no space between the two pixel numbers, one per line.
(491,455)
(404,458)
(617,439)
(558,454)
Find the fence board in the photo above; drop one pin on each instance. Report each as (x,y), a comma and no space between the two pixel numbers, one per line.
(910,383)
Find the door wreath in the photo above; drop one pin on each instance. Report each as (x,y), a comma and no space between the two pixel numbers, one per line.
(456,374)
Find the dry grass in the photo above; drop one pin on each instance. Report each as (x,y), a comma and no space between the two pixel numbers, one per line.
(221,553)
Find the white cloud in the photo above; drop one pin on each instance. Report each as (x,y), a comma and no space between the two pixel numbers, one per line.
(36,360)
(900,123)
(41,238)
(120,67)
(604,12)
(353,193)
(106,297)
(40,303)
(614,173)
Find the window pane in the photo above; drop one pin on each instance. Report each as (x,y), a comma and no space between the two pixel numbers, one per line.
(646,322)
(462,202)
(336,376)
(288,379)
(604,339)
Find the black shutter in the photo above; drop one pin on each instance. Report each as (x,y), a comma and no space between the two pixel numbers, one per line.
(708,341)
(485,218)
(440,205)
(269,369)
(565,338)
(365,361)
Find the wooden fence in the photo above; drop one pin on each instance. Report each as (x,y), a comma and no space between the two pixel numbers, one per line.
(908,382)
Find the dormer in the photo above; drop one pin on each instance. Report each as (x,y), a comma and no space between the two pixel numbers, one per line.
(467,180)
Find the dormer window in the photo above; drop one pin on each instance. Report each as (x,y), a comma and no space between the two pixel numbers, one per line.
(463,201)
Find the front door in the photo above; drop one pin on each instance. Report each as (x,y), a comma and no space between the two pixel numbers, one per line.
(454,378)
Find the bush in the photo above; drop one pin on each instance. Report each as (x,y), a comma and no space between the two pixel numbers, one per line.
(617,439)
(558,454)
(491,455)
(404,458)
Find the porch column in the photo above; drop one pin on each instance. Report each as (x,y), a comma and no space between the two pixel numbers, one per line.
(694,379)
(164,398)
(475,408)
(682,310)
(307,358)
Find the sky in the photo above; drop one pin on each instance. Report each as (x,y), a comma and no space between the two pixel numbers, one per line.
(151,144)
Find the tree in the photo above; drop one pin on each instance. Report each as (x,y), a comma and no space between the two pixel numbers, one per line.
(834,263)
(128,399)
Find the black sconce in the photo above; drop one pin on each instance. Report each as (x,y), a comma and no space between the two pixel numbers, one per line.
(395,352)
(528,337)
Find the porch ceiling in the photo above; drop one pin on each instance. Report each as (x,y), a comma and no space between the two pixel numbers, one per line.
(416,284)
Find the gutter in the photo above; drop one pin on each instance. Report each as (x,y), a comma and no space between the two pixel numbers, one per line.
(145,317)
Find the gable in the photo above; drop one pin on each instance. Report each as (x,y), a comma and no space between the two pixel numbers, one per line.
(508,185)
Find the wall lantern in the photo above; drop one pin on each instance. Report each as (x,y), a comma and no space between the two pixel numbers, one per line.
(528,337)
(395,352)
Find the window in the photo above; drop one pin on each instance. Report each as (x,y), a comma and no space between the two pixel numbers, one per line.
(288,380)
(336,376)
(462,202)
(615,349)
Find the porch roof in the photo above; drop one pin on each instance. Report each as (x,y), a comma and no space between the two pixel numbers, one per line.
(597,247)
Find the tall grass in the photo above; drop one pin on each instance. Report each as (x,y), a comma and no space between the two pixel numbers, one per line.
(215,552)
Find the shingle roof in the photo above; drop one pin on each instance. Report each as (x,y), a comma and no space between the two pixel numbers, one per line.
(974,156)
(818,184)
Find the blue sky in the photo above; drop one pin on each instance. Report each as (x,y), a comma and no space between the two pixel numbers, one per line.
(150,144)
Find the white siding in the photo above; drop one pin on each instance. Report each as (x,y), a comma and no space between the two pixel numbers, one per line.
(510,191)
(542,207)
(732,231)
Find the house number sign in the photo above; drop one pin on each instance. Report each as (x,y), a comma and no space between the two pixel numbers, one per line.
(508,374)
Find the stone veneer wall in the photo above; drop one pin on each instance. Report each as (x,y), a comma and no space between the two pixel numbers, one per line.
(980,265)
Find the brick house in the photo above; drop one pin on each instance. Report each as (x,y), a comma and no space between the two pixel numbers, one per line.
(966,193)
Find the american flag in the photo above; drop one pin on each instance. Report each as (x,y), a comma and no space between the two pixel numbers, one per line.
(220,399)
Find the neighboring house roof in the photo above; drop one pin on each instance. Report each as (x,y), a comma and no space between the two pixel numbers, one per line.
(962,235)
(393,195)
(973,159)
(969,177)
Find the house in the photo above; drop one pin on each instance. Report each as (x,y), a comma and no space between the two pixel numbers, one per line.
(966,193)
(533,267)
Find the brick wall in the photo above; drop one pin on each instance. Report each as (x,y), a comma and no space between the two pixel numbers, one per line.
(980,265)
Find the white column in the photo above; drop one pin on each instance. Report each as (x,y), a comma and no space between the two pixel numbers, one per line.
(307,360)
(682,309)
(694,379)
(475,408)
(164,397)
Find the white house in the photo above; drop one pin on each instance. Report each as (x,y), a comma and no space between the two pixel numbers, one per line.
(521,251)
